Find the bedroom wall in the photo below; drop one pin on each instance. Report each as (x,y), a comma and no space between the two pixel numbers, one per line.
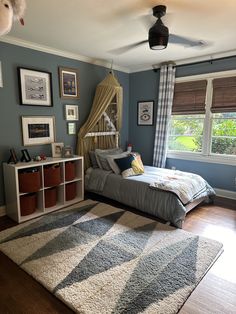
(90,75)
(144,86)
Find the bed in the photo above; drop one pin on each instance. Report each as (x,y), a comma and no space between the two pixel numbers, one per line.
(138,192)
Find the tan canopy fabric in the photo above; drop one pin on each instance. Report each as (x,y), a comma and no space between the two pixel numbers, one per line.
(108,100)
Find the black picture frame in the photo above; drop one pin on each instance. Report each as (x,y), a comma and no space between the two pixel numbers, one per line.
(35,87)
(145,112)
(13,157)
(25,156)
(67,152)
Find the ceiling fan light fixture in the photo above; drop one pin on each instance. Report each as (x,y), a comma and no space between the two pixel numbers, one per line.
(158,36)
(158,43)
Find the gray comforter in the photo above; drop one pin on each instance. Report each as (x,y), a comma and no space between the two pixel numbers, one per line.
(136,192)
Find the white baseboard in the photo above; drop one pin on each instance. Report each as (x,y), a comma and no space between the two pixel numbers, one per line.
(2,211)
(226,193)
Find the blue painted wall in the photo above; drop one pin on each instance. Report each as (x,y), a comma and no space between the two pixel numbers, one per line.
(90,75)
(144,86)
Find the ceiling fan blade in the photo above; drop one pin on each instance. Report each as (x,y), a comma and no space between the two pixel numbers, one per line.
(126,48)
(184,41)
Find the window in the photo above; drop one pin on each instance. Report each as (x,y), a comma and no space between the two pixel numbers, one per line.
(203,119)
(186,133)
(223,140)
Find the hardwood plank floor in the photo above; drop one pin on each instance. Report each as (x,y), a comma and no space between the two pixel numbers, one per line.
(216,293)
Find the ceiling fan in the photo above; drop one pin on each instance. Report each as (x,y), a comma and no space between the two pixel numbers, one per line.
(159,36)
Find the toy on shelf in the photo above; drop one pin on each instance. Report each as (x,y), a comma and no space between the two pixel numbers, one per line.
(40,157)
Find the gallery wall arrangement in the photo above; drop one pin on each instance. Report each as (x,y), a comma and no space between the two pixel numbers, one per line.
(61,92)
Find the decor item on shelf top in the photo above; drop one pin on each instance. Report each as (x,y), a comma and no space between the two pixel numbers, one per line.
(13,157)
(67,151)
(25,156)
(57,150)
(11,10)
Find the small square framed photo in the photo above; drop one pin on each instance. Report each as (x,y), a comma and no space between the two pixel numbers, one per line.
(71,112)
(145,112)
(71,128)
(35,87)
(69,83)
(67,151)
(57,149)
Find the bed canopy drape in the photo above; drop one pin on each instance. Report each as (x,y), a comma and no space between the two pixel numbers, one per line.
(101,130)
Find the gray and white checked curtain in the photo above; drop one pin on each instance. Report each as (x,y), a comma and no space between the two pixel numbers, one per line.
(165,100)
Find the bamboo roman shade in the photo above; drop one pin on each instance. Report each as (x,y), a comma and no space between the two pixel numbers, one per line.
(189,97)
(224,94)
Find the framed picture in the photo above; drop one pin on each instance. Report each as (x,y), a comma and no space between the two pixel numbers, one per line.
(38,130)
(25,156)
(67,151)
(35,87)
(71,128)
(1,81)
(13,157)
(145,112)
(69,83)
(57,149)
(71,112)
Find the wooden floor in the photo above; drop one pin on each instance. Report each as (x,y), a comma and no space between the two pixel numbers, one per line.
(216,293)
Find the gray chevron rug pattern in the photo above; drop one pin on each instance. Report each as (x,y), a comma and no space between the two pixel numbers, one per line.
(100,259)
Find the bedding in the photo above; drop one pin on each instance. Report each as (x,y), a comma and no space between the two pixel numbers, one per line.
(136,192)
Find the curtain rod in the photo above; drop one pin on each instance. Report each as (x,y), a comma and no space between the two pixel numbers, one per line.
(200,62)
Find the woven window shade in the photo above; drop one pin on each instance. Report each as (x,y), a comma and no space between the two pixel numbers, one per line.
(189,97)
(224,94)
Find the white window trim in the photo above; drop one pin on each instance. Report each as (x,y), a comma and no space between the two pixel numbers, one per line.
(204,156)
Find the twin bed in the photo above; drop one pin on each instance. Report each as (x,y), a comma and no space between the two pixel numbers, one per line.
(143,193)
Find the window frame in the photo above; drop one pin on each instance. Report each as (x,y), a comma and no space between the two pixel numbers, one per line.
(205,155)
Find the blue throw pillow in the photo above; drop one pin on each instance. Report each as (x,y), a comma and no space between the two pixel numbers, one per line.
(125,165)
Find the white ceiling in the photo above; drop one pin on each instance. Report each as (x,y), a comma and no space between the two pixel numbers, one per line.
(92,28)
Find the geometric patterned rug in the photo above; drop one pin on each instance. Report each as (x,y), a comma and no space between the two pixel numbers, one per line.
(100,259)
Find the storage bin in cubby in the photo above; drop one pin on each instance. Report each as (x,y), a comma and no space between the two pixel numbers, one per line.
(70,191)
(29,180)
(50,197)
(69,170)
(28,204)
(52,175)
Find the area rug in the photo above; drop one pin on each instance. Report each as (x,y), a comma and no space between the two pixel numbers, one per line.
(100,259)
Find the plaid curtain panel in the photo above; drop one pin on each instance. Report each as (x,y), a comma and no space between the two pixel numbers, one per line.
(165,100)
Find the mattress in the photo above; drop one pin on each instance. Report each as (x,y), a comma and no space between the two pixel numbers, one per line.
(135,191)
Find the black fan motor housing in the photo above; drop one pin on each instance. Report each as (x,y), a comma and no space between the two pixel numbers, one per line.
(158,35)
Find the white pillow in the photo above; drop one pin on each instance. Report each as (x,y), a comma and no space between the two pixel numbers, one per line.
(113,164)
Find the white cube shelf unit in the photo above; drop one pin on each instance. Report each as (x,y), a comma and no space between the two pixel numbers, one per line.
(49,196)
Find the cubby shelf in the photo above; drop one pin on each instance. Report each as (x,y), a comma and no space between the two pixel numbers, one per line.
(13,193)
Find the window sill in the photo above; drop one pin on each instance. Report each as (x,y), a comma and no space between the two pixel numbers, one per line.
(225,160)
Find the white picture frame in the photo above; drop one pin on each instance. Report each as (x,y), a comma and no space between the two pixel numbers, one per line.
(57,149)
(71,112)
(145,112)
(71,128)
(38,130)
